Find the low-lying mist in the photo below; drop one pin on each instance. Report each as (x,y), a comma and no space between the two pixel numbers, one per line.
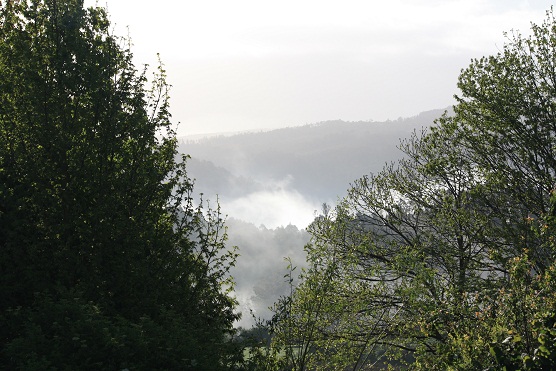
(276,205)
(260,269)
(272,184)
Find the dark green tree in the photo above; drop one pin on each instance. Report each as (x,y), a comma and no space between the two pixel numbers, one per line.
(105,261)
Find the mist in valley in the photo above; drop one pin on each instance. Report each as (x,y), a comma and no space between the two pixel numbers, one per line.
(260,269)
(272,184)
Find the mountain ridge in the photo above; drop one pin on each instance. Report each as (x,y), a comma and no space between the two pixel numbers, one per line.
(319,160)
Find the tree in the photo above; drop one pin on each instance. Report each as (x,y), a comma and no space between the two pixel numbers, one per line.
(408,260)
(506,115)
(102,249)
(446,259)
(506,112)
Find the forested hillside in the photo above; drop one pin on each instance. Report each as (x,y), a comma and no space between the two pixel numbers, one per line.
(319,160)
(279,171)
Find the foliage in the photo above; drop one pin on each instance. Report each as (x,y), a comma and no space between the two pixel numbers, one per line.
(518,332)
(445,259)
(101,246)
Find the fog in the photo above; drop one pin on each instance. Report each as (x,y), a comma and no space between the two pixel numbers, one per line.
(271,185)
(260,269)
(267,226)
(277,206)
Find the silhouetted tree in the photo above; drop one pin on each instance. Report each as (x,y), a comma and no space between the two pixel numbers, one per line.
(105,262)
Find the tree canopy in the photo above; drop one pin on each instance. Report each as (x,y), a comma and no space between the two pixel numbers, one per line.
(106,261)
(445,259)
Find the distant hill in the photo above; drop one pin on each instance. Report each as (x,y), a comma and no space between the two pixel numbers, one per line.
(319,160)
(282,176)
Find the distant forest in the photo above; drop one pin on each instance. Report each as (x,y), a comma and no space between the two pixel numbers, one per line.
(321,159)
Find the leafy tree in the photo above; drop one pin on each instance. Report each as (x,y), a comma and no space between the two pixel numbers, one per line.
(446,259)
(407,257)
(101,246)
(506,115)
(517,330)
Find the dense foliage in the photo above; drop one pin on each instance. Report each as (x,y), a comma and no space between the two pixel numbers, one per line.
(105,261)
(444,260)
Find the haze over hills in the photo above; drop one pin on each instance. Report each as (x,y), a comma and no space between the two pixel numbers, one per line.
(317,161)
(272,183)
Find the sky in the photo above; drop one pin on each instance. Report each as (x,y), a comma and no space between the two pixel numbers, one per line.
(256,64)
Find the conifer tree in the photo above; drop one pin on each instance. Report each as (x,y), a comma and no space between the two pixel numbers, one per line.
(105,261)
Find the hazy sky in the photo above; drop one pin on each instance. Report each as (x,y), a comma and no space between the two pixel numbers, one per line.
(243,65)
